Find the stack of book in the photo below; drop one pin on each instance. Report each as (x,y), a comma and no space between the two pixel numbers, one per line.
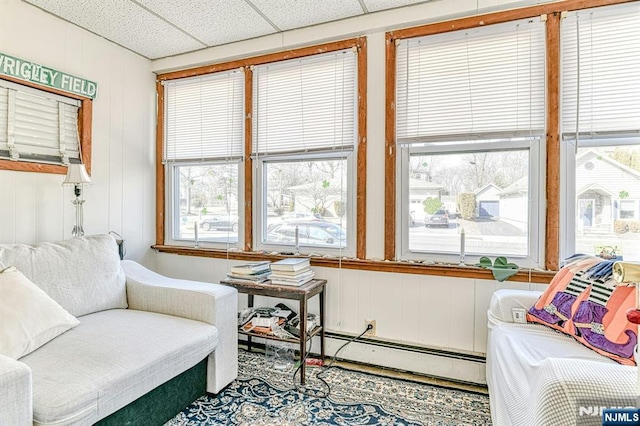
(256,272)
(292,271)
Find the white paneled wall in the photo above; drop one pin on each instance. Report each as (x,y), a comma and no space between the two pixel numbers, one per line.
(421,310)
(438,312)
(34,206)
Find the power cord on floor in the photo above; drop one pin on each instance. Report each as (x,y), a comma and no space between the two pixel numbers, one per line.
(324,390)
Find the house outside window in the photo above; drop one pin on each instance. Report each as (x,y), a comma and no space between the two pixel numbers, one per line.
(304,142)
(601,130)
(203,148)
(469,126)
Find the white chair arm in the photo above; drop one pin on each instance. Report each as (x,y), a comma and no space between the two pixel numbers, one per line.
(504,300)
(214,304)
(16,401)
(149,291)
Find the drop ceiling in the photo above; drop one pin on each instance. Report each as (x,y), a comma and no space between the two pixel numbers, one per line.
(160,28)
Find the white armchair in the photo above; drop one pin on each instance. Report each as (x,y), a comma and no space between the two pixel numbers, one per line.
(212,304)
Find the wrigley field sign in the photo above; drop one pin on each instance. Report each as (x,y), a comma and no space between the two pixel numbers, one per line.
(35,73)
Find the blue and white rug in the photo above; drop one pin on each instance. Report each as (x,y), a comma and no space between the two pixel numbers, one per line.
(263,396)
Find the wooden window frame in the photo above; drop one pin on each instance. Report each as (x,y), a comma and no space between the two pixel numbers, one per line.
(85,118)
(553,13)
(552,143)
(359,43)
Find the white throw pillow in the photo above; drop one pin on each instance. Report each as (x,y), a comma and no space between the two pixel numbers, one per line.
(28,317)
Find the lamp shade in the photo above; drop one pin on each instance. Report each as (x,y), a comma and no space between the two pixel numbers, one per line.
(626,272)
(76,174)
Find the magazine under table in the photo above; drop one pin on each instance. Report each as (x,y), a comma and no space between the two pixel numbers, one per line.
(302,294)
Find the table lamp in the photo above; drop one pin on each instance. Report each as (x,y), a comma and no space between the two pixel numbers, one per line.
(626,272)
(77,175)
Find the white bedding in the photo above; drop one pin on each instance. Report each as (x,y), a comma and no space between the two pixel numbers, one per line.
(537,376)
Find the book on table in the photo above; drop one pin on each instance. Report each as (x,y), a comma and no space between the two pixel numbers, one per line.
(251,268)
(291,264)
(292,280)
(293,277)
(292,283)
(291,273)
(256,278)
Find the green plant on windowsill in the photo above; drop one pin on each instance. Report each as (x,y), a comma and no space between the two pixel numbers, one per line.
(501,268)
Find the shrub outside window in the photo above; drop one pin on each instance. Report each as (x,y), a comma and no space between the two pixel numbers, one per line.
(469,124)
(601,130)
(207,200)
(484,193)
(203,148)
(304,123)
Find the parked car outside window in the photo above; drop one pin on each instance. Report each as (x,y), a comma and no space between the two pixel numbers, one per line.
(220,222)
(297,216)
(320,233)
(439,218)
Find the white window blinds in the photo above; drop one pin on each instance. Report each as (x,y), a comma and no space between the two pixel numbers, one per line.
(601,71)
(305,104)
(484,82)
(204,117)
(37,126)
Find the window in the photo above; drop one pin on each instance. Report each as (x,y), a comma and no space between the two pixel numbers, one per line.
(203,148)
(628,209)
(601,129)
(470,118)
(38,126)
(304,134)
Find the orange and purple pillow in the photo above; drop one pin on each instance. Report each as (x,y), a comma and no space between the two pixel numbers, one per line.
(585,302)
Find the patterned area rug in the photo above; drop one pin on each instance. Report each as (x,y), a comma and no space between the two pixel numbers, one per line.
(264,396)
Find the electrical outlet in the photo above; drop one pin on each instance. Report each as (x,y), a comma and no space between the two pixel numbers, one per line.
(372,332)
(519,315)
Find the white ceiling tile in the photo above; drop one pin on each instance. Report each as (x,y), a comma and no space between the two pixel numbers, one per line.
(213,22)
(125,23)
(161,28)
(376,5)
(302,13)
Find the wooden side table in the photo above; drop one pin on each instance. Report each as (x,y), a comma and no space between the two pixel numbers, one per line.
(302,294)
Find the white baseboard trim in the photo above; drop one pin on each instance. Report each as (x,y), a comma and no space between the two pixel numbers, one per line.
(436,363)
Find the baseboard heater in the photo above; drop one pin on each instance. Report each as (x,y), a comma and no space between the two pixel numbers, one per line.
(408,347)
(470,359)
(386,344)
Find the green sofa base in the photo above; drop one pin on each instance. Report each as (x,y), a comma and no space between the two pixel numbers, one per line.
(164,402)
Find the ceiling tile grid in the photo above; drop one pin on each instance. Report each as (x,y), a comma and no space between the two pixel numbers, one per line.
(213,22)
(287,15)
(162,28)
(377,5)
(125,23)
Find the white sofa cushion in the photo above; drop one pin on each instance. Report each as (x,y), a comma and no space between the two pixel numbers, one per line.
(112,358)
(537,376)
(28,317)
(82,274)
(15,392)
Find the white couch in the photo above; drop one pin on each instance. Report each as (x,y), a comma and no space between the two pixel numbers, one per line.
(137,330)
(537,376)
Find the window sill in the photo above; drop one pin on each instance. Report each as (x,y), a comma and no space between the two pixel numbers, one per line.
(523,275)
